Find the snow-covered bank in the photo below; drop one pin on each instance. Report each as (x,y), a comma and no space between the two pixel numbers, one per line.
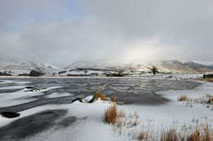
(91,126)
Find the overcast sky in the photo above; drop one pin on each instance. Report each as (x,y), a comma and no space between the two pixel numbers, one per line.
(61,32)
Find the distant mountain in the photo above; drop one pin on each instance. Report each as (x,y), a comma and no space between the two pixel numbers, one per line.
(176,66)
(199,67)
(17,68)
(166,66)
(103,69)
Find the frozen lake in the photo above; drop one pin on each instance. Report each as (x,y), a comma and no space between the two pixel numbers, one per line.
(61,91)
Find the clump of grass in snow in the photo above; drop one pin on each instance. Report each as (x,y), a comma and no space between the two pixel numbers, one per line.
(99,95)
(201,135)
(183,98)
(170,135)
(113,98)
(119,118)
(111,114)
(143,136)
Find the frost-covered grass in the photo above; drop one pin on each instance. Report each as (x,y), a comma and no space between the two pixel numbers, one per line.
(183,98)
(199,133)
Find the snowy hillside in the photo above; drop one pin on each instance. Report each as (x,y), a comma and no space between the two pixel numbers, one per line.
(169,66)
(104,69)
(17,68)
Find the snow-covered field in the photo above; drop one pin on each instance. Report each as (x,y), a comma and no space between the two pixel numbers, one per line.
(85,121)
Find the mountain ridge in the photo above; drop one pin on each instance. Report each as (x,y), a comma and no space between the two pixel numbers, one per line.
(104,69)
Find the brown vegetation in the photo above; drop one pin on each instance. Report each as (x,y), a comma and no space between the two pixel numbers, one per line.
(111,114)
(170,135)
(99,95)
(143,136)
(201,135)
(183,98)
(113,99)
(119,118)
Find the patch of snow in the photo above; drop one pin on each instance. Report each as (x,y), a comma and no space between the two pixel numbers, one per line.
(54,95)
(12,87)
(21,96)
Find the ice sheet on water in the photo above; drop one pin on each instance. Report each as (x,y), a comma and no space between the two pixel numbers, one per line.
(55,95)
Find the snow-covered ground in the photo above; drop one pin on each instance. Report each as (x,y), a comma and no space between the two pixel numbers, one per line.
(90,123)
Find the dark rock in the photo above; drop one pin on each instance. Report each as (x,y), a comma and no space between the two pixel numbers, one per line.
(36,73)
(92,100)
(77,99)
(31,89)
(170,77)
(9,114)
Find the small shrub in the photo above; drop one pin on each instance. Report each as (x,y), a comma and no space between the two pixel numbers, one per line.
(111,114)
(99,95)
(183,98)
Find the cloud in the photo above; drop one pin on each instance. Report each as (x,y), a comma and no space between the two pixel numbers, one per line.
(183,24)
(62,32)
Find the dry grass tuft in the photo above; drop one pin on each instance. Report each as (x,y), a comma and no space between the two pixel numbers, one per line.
(210,101)
(119,118)
(111,114)
(143,136)
(199,135)
(99,95)
(113,99)
(195,136)
(183,98)
(170,135)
